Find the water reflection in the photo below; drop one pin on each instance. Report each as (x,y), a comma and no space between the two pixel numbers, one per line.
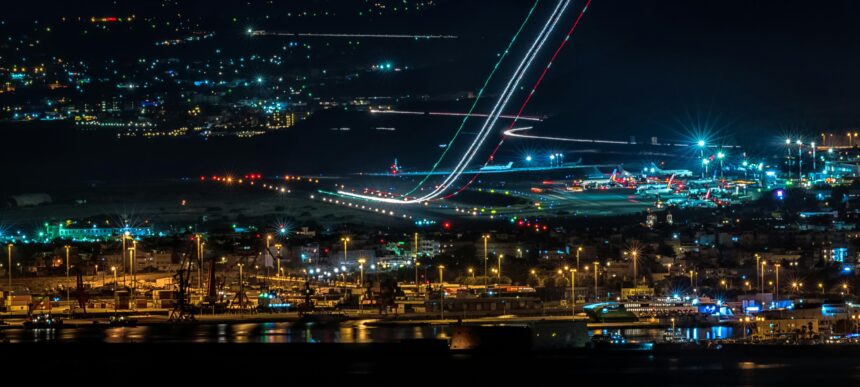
(284,332)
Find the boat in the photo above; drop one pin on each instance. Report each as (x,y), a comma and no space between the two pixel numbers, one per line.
(609,312)
(43,321)
(121,321)
(309,319)
(617,342)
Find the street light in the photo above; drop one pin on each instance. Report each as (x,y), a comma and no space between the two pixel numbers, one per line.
(68,283)
(578,250)
(777,280)
(9,268)
(472,272)
(361,262)
(441,293)
(486,238)
(500,267)
(635,253)
(721,156)
(113,269)
(573,293)
(278,249)
(595,279)
(416,274)
(345,241)
(799,159)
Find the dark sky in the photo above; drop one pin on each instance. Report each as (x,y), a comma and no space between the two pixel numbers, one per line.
(752,70)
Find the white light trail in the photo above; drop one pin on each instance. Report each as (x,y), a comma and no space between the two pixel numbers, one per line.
(347,35)
(516,133)
(493,116)
(453,114)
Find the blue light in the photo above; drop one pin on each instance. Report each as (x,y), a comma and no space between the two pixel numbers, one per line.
(529,158)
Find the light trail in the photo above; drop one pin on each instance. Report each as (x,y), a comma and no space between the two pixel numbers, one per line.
(348,35)
(453,114)
(500,104)
(475,102)
(515,133)
(531,94)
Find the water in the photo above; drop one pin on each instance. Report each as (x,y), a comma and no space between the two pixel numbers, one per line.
(353,332)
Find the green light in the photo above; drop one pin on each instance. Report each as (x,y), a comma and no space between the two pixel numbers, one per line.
(475,103)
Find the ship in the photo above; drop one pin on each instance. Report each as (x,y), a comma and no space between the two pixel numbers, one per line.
(609,312)
(45,320)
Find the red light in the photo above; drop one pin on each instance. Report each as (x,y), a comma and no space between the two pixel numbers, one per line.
(447,225)
(202,178)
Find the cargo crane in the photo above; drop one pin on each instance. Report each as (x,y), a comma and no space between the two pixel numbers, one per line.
(81,293)
(182,311)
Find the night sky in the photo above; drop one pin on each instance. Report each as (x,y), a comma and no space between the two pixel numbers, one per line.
(744,71)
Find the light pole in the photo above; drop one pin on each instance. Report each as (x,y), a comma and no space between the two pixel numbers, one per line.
(199,264)
(472,273)
(573,293)
(757,258)
(821,286)
(500,267)
(415,248)
(595,279)
(486,237)
(361,262)
(113,269)
(578,250)
(441,293)
(701,145)
(788,158)
(345,241)
(278,249)
(721,156)
(814,162)
(68,283)
(132,254)
(199,258)
(777,280)
(691,279)
(416,274)
(268,251)
(799,159)
(67,261)
(635,272)
(9,268)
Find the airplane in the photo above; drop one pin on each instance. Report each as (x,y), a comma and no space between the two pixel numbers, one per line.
(395,168)
(601,182)
(655,170)
(497,167)
(657,189)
